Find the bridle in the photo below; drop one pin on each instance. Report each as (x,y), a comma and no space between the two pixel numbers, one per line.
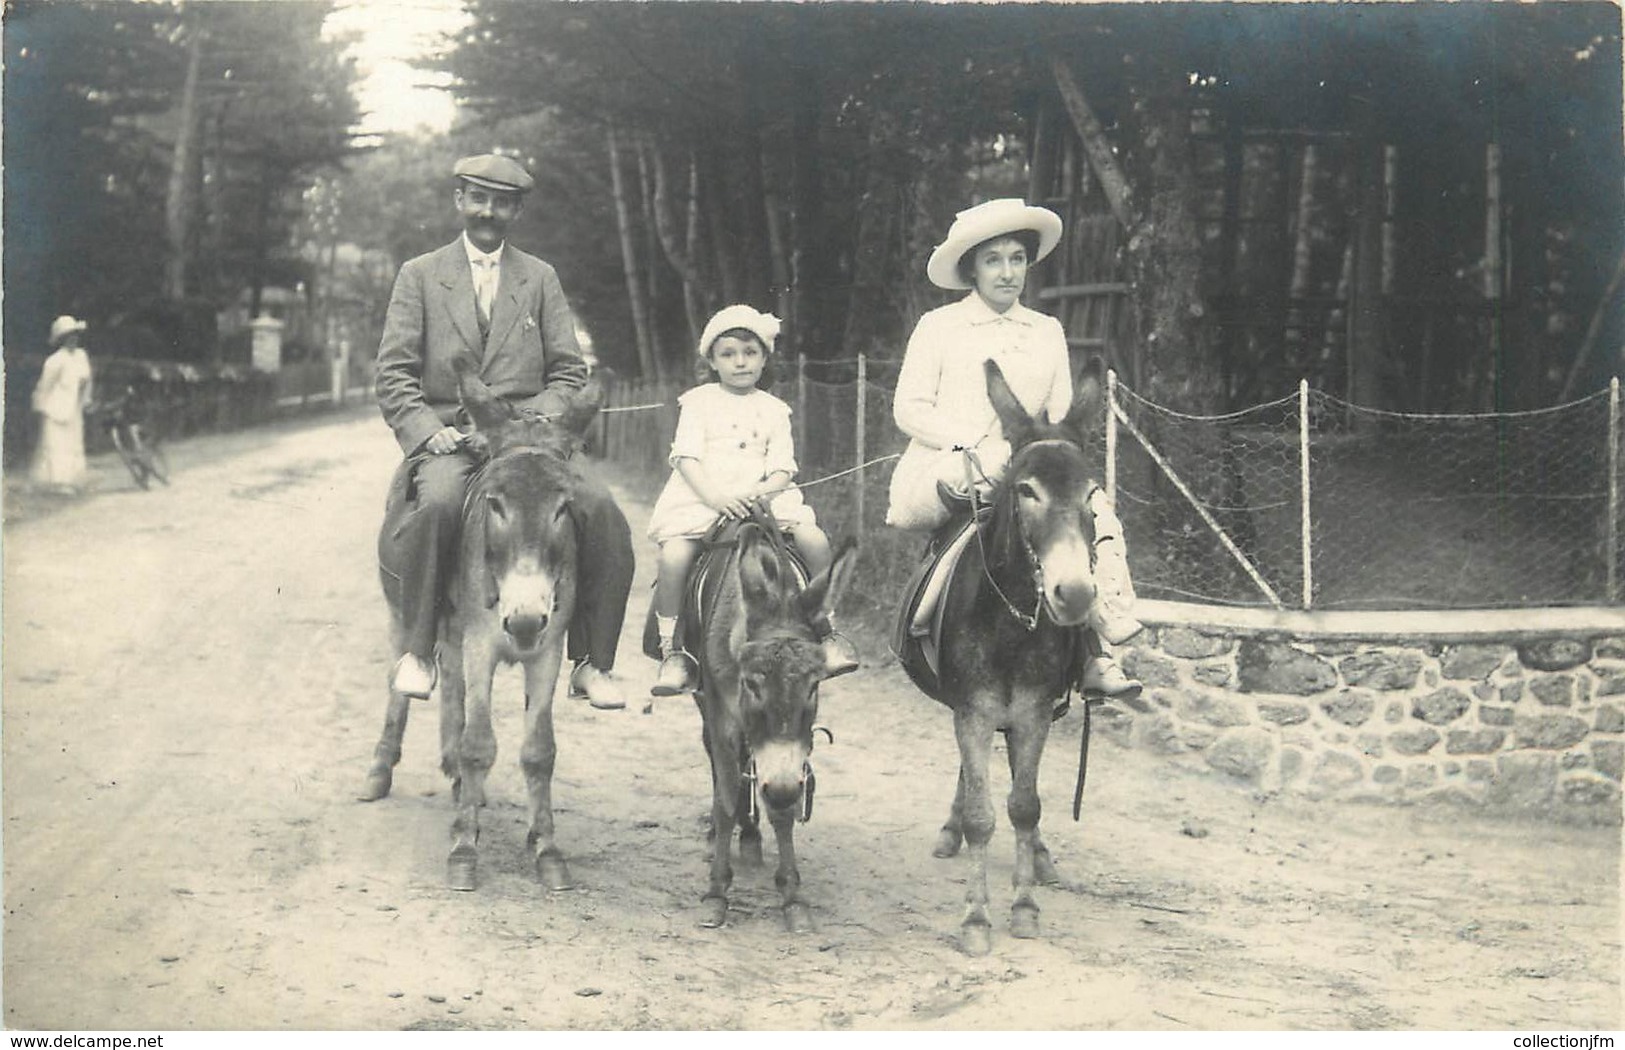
(1029,621)
(809,784)
(476,479)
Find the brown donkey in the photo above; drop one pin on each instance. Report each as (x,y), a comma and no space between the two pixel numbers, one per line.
(760,667)
(1009,637)
(510,602)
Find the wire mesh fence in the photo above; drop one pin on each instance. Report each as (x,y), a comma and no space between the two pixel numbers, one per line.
(1303,502)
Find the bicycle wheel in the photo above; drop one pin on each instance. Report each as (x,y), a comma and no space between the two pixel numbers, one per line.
(127,442)
(152,453)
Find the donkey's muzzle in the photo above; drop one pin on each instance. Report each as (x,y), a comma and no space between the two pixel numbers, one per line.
(1070,600)
(781,795)
(525,630)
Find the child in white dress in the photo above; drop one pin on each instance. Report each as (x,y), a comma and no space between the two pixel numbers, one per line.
(733,447)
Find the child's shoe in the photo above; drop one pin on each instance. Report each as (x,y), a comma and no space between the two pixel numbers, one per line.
(678,673)
(840,655)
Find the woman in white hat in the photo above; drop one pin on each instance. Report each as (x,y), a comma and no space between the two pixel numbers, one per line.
(942,404)
(733,447)
(60,398)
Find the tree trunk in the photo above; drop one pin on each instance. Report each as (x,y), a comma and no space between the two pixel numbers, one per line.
(680,255)
(652,253)
(1102,159)
(1164,254)
(262,222)
(695,300)
(629,264)
(809,269)
(1365,310)
(179,204)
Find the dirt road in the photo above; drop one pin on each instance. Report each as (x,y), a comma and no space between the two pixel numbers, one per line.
(193,686)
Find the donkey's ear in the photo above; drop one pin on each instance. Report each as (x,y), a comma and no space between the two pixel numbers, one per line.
(486,409)
(760,576)
(1017,424)
(825,590)
(584,405)
(1088,409)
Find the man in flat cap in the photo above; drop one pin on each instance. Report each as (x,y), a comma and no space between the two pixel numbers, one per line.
(483,296)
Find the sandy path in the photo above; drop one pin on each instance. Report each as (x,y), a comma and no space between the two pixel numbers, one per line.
(193,685)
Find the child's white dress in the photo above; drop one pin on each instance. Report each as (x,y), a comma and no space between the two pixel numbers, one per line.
(740,439)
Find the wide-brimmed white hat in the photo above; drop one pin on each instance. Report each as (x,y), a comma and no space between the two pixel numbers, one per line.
(764,326)
(987,220)
(65,326)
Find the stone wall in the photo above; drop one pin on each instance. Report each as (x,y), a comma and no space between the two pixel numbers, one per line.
(1532,725)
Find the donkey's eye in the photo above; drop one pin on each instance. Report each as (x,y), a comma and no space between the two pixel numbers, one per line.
(561,512)
(498,509)
(1026,491)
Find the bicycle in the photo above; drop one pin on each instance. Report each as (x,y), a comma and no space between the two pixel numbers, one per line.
(138,442)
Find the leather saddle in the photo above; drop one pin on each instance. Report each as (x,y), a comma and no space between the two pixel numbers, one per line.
(917,638)
(704,580)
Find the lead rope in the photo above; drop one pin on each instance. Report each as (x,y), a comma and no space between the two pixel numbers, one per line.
(973,468)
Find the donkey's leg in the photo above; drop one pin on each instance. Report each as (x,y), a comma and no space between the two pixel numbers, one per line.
(797,916)
(475,752)
(1028,730)
(974,730)
(952,835)
(388,752)
(1044,870)
(725,777)
(453,689)
(537,756)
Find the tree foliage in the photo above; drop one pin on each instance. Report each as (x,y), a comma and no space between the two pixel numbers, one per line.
(805,157)
(94,98)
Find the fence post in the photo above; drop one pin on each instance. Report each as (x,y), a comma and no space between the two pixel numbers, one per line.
(1303,482)
(1111,434)
(1613,490)
(861,438)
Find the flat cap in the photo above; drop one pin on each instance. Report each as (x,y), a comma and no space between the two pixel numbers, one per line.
(494,172)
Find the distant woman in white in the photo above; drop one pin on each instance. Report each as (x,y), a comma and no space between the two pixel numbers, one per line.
(60,399)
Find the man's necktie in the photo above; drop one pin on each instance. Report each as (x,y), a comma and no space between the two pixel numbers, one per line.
(483,292)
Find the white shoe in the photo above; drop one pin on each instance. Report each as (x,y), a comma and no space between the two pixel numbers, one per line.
(599,687)
(414,677)
(1102,677)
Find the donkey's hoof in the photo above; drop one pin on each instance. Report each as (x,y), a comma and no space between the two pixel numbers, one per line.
(1044,871)
(797,918)
(460,868)
(976,938)
(377,785)
(1024,922)
(948,843)
(714,913)
(553,872)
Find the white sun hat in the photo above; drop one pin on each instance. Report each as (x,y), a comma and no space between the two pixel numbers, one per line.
(987,220)
(764,326)
(65,326)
